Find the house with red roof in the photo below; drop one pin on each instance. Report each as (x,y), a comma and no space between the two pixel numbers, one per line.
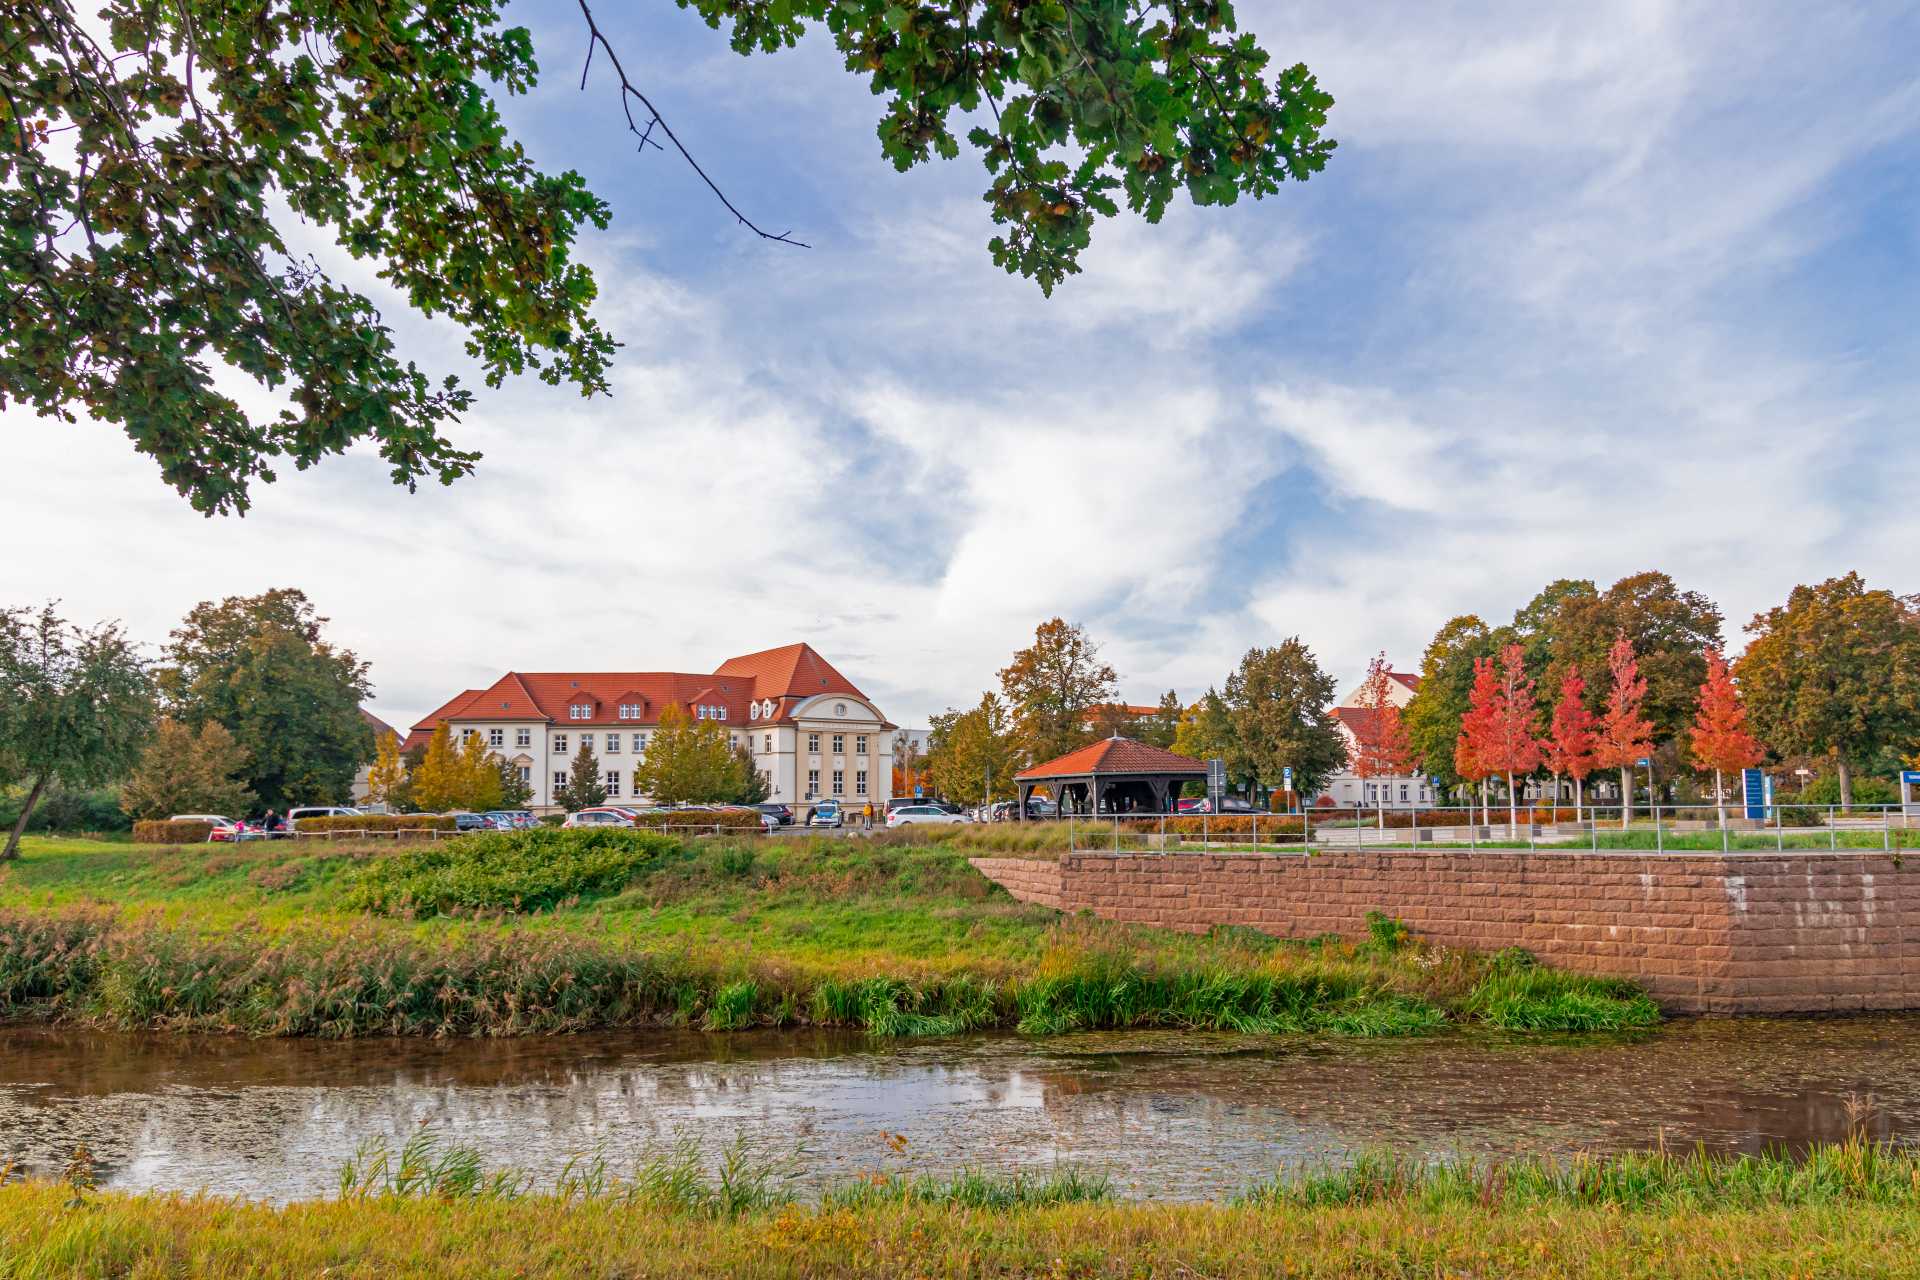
(811,730)
(1346,789)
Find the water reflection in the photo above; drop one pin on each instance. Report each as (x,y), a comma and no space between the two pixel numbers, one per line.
(1170,1115)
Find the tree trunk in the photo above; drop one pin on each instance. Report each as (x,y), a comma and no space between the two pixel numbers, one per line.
(1513,808)
(1846,784)
(1626,797)
(1578,798)
(12,850)
(1720,798)
(1553,815)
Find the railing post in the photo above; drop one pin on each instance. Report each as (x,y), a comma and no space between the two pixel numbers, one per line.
(1833,833)
(1116,833)
(1886,830)
(1659,835)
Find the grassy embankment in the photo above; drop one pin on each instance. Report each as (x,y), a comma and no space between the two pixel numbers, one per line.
(1847,1210)
(556,931)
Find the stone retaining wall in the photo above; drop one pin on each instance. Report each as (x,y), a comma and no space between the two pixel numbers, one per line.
(1705,933)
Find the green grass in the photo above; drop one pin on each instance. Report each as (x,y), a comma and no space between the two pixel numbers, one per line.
(896,936)
(427,1211)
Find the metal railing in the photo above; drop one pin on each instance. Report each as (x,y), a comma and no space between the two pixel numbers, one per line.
(1658,828)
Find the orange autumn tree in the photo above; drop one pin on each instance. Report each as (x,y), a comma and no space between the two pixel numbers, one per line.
(1382,749)
(1570,739)
(1469,749)
(1719,735)
(1507,744)
(1625,734)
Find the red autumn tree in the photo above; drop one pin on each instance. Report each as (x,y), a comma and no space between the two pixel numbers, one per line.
(1570,738)
(1381,746)
(1509,745)
(1719,735)
(1625,735)
(1470,748)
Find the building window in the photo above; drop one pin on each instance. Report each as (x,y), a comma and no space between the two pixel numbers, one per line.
(613,782)
(769,745)
(813,783)
(860,782)
(613,744)
(580,711)
(720,712)
(469,733)
(629,711)
(860,745)
(526,775)
(813,744)
(559,779)
(586,740)
(523,737)
(639,742)
(560,742)
(839,782)
(496,737)
(839,744)
(1403,794)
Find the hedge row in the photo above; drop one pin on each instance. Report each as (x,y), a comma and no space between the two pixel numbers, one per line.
(732,819)
(168,831)
(371,822)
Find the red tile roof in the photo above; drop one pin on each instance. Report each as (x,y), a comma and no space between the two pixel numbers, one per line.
(380,727)
(1114,755)
(787,676)
(1406,678)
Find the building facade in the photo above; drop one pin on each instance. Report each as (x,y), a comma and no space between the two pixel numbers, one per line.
(1348,790)
(810,730)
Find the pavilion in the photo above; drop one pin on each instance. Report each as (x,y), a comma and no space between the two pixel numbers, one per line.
(1114,775)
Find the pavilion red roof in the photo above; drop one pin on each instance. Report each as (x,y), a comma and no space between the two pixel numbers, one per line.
(1111,756)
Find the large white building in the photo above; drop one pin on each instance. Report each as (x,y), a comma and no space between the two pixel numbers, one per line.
(811,731)
(1347,790)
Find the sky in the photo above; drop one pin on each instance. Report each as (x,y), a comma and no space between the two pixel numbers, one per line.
(1585,290)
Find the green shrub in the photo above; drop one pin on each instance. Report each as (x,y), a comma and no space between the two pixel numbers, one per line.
(168,831)
(373,823)
(511,870)
(67,811)
(1825,790)
(1521,996)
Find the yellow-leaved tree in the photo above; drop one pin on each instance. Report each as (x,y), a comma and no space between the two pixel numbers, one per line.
(389,772)
(687,761)
(439,781)
(480,774)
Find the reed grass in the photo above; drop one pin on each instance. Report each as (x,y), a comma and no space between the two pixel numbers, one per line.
(1844,1211)
(896,939)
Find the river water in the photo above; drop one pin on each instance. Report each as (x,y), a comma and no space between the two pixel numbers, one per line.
(1167,1115)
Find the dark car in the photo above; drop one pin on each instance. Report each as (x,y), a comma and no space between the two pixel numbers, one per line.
(783,814)
(466,822)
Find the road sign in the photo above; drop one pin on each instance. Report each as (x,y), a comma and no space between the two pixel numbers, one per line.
(1643,763)
(1286,778)
(918,791)
(1216,784)
(1756,791)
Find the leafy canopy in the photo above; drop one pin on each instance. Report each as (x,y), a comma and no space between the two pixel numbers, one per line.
(150,157)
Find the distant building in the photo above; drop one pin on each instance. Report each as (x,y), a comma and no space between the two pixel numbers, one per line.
(811,730)
(1347,790)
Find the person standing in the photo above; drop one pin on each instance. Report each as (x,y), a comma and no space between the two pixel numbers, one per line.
(867,813)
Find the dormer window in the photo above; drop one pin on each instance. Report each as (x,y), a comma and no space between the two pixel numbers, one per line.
(580,711)
(629,711)
(720,713)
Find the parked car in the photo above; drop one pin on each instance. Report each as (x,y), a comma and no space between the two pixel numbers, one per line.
(826,815)
(513,819)
(320,811)
(1228,804)
(225,830)
(467,823)
(782,814)
(599,817)
(916,814)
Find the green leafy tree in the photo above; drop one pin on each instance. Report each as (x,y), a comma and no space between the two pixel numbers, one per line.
(750,784)
(974,754)
(585,787)
(186,772)
(1160,728)
(515,791)
(1053,688)
(1278,704)
(76,707)
(1433,717)
(147,153)
(687,761)
(1669,631)
(1835,672)
(261,666)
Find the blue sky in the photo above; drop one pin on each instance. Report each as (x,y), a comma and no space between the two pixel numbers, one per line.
(1581,293)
